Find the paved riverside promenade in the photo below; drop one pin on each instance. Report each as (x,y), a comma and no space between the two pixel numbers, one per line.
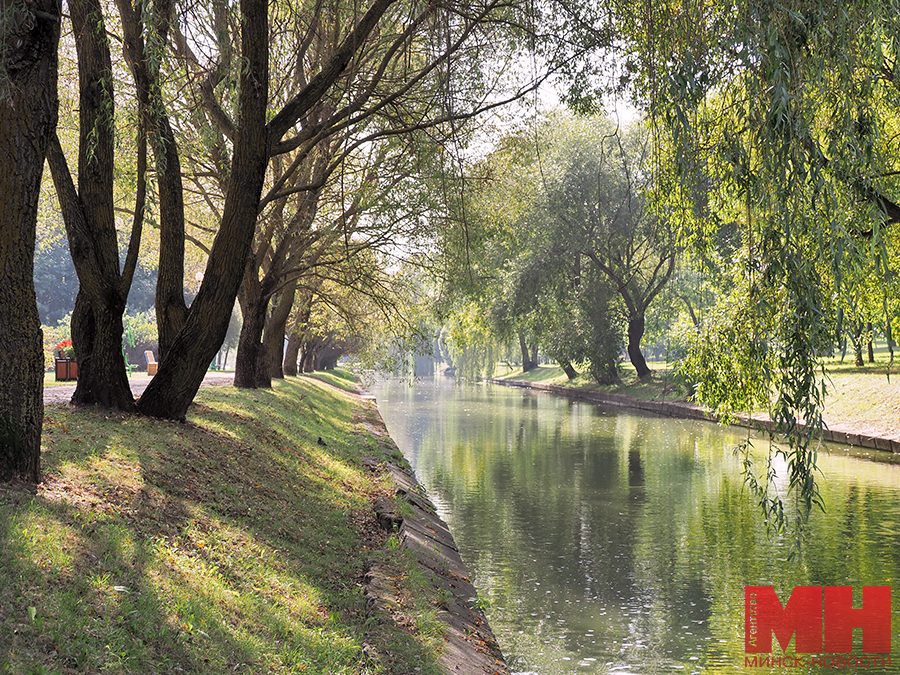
(837,433)
(60,394)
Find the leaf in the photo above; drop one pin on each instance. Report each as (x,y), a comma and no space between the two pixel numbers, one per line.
(32,613)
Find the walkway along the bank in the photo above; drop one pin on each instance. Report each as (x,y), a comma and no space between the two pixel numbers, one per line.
(469,644)
(838,433)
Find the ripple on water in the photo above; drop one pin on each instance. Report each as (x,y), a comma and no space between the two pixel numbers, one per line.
(622,542)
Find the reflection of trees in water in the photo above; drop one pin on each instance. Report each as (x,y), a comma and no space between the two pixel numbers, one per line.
(606,534)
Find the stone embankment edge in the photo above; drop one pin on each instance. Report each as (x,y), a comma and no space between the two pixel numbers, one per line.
(840,434)
(470,647)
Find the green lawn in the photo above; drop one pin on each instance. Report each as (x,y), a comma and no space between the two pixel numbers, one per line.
(662,386)
(235,542)
(865,397)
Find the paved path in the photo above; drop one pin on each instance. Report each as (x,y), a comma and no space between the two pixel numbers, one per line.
(61,394)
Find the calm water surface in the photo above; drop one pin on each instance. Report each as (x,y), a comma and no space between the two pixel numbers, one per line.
(610,542)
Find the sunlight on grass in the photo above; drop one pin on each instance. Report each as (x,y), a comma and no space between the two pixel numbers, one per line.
(338,377)
(46,542)
(233,543)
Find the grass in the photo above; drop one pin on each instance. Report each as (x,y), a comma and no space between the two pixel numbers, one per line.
(51,381)
(866,398)
(235,542)
(662,386)
(338,377)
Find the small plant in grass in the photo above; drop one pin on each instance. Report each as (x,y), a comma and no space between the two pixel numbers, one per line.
(480,603)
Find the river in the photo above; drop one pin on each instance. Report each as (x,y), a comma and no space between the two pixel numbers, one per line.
(604,541)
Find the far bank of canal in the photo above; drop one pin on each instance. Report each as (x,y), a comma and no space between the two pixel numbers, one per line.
(611,541)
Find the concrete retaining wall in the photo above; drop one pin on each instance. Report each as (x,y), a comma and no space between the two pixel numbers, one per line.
(469,644)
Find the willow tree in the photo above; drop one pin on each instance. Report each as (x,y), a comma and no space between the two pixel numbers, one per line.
(570,244)
(88,209)
(422,69)
(602,204)
(29,34)
(781,117)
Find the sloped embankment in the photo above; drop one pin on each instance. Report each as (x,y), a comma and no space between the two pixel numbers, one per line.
(421,535)
(841,434)
(237,542)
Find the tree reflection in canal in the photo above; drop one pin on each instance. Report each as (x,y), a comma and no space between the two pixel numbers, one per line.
(608,541)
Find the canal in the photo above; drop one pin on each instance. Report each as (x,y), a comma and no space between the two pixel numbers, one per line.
(604,541)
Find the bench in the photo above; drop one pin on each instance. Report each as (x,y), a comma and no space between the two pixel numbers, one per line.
(152,364)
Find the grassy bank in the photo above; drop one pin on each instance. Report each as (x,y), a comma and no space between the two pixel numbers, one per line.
(866,397)
(236,542)
(662,386)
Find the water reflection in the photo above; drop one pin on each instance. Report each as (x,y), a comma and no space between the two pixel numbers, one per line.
(613,542)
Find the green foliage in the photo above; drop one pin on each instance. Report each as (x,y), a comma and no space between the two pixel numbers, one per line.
(565,245)
(780,122)
(471,342)
(601,341)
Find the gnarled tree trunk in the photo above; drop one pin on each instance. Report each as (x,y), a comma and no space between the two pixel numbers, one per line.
(28,109)
(273,337)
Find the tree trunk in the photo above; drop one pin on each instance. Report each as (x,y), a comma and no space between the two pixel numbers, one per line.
(205,326)
(635,333)
(170,305)
(250,363)
(276,324)
(856,339)
(307,361)
(869,344)
(297,336)
(250,369)
(291,355)
(28,109)
(102,378)
(310,351)
(694,320)
(89,215)
(97,327)
(568,369)
(182,368)
(527,363)
(887,329)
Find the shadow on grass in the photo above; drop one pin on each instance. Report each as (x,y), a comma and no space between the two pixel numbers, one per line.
(233,543)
